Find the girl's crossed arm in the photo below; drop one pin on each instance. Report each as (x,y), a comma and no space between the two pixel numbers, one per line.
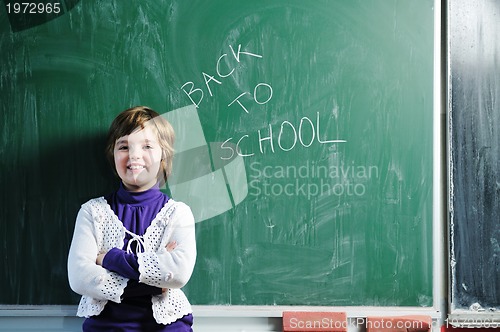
(126,265)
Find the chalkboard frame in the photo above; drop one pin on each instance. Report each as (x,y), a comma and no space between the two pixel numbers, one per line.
(439,281)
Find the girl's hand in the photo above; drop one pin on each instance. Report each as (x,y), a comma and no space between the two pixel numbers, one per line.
(171,246)
(99,259)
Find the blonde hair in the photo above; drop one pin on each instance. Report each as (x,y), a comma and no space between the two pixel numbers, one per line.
(139,117)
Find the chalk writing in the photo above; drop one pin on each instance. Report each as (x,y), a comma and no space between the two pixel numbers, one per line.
(266,138)
(270,92)
(198,92)
(289,134)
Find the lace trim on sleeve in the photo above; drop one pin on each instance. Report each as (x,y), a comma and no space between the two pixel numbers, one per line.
(90,307)
(170,306)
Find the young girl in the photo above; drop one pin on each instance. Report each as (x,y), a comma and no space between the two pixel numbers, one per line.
(134,249)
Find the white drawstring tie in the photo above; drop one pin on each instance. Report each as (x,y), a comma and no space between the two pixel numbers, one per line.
(139,243)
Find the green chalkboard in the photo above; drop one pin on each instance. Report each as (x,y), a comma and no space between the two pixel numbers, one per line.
(307,162)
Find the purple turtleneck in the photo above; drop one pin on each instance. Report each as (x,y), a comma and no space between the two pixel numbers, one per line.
(136,210)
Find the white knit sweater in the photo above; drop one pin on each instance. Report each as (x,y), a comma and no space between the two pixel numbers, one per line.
(98,230)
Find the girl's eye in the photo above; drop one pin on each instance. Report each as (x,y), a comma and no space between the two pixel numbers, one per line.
(148,146)
(123,147)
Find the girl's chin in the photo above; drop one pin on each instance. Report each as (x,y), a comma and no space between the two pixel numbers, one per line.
(138,185)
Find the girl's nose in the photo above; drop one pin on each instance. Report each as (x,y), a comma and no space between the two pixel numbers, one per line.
(133,154)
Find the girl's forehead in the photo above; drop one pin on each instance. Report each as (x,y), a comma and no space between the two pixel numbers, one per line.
(141,134)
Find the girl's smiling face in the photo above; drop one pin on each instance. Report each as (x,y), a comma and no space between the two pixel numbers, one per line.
(137,159)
